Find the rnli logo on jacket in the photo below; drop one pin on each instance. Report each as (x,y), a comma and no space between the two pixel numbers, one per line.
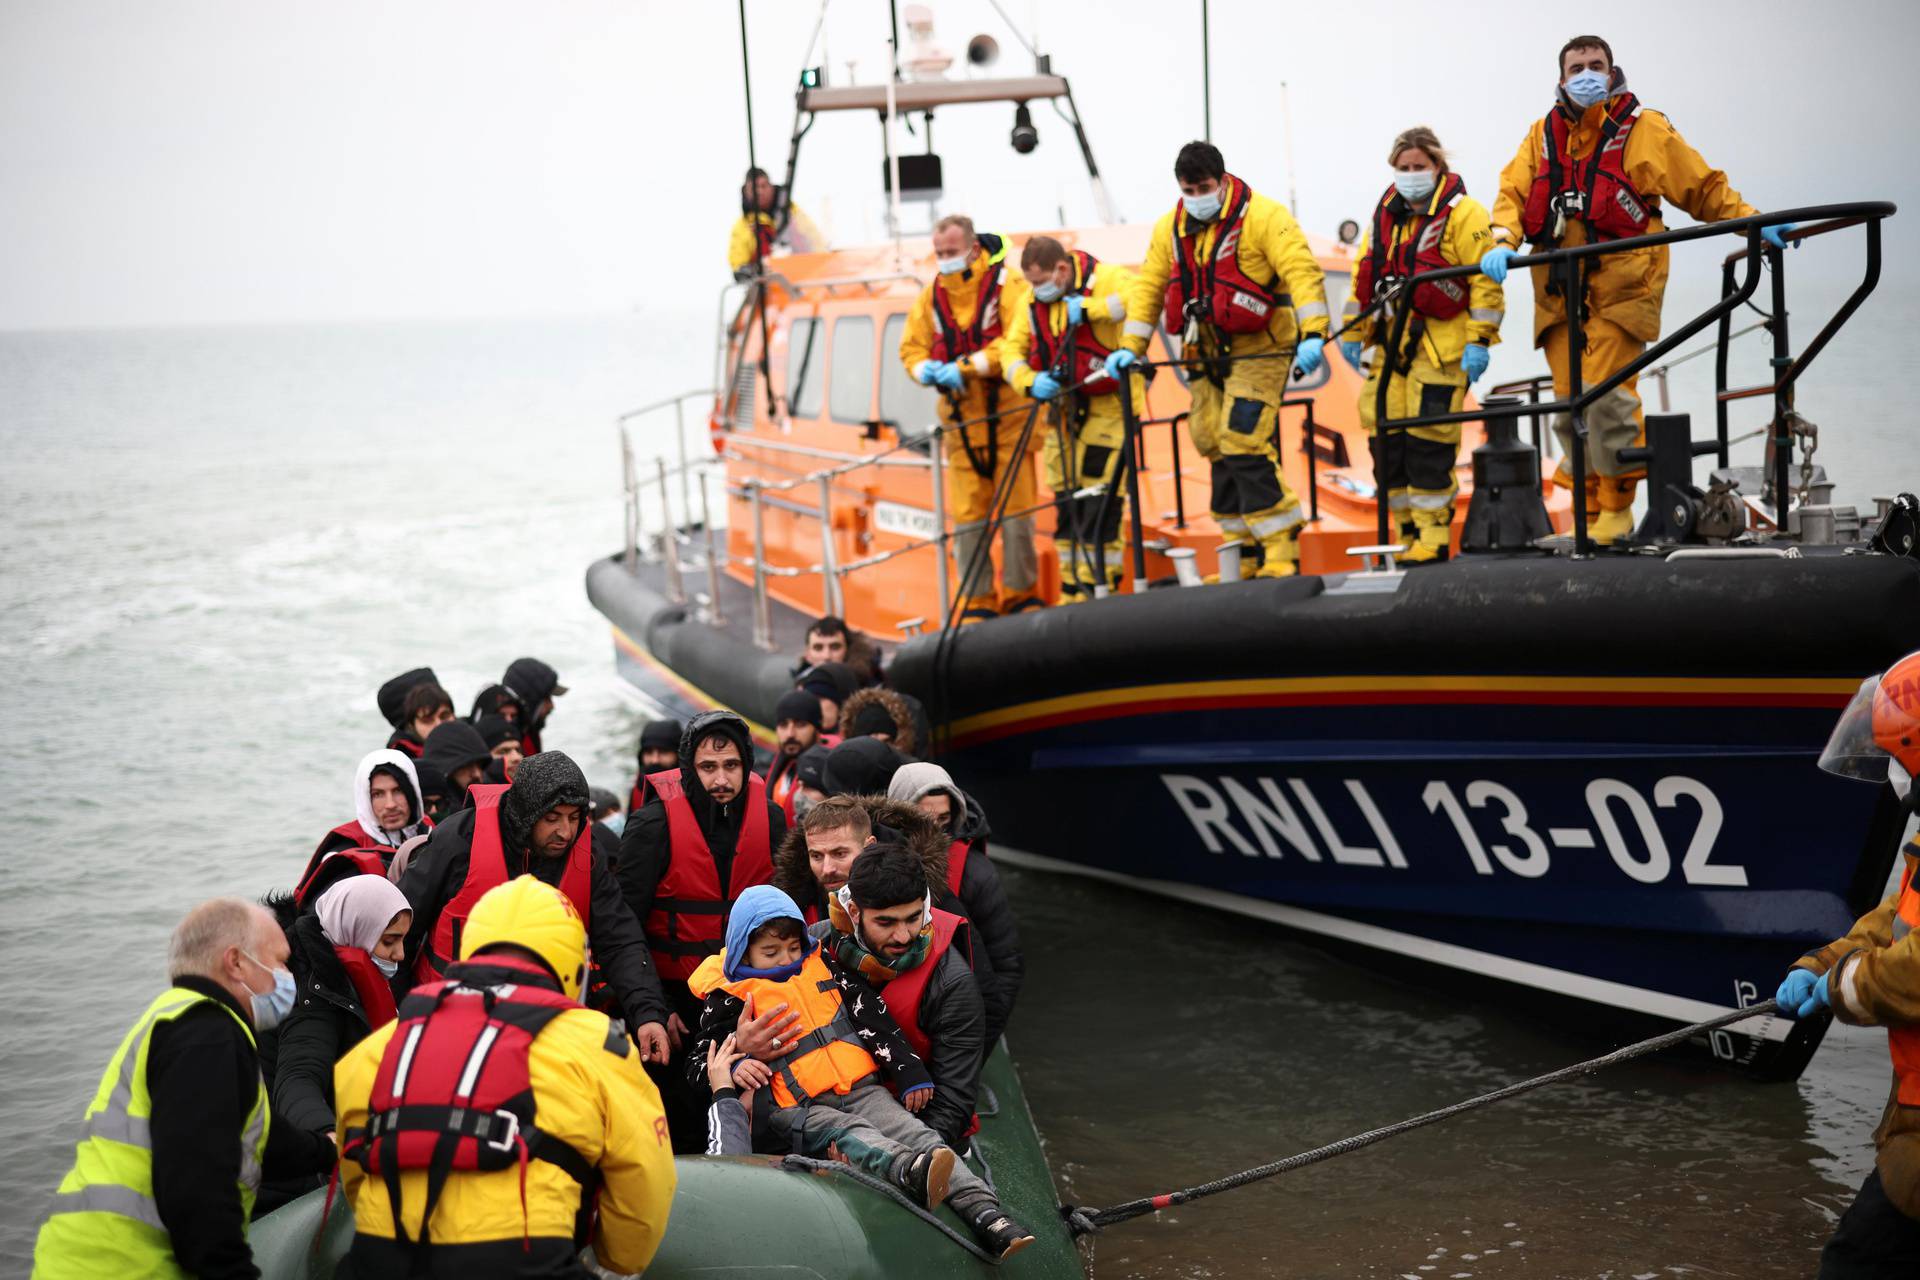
(1628,205)
(1430,237)
(990,313)
(1248,302)
(1228,243)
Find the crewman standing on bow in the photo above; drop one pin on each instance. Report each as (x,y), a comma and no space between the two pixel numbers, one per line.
(1056,350)
(1232,275)
(1424,221)
(776,229)
(952,342)
(1596,168)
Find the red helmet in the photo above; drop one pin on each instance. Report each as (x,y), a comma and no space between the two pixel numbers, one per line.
(1878,735)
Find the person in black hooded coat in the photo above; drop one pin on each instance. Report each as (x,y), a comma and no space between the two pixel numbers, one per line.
(541,783)
(862,767)
(646,851)
(459,756)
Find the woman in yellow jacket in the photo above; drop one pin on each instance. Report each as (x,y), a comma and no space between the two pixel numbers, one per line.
(1425,220)
(594,1109)
(1055,350)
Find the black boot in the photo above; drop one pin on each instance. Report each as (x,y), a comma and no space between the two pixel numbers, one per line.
(998,1234)
(925,1176)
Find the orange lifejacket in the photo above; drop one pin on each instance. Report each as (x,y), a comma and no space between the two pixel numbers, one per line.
(1418,251)
(1218,291)
(487,867)
(688,922)
(1904,1042)
(1595,190)
(1089,355)
(827,1056)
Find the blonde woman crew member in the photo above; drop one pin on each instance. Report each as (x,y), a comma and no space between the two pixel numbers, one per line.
(1425,220)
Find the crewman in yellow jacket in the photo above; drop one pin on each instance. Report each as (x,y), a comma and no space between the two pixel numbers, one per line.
(1056,350)
(760,217)
(1233,275)
(1597,167)
(1424,221)
(952,342)
(1871,978)
(434,1152)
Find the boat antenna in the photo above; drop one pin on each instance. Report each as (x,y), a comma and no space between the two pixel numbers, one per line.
(1286,121)
(759,286)
(1206,78)
(893,113)
(1011,26)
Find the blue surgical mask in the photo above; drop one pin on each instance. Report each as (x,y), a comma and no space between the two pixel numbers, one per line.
(1206,208)
(271,1008)
(1414,185)
(1049,292)
(1588,87)
(615,822)
(953,266)
(387,968)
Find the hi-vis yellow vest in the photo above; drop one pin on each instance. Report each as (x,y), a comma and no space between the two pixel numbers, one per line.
(104,1221)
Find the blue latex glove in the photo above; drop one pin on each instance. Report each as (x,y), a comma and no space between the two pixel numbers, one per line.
(1493,264)
(1076,308)
(924,371)
(1350,352)
(1119,360)
(1776,235)
(948,376)
(1802,993)
(1474,361)
(1045,387)
(1306,357)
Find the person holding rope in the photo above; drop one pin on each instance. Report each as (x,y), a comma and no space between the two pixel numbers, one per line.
(1424,221)
(1871,978)
(952,342)
(1596,168)
(1056,350)
(1235,278)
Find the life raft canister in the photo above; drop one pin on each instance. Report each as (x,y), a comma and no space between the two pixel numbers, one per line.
(1217,291)
(1418,251)
(828,1057)
(1089,354)
(452,1092)
(904,994)
(1595,190)
(487,867)
(688,922)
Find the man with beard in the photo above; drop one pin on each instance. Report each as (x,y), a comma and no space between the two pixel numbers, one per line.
(796,724)
(537,826)
(705,836)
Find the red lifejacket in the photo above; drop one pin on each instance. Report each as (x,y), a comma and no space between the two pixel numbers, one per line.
(324,870)
(1417,251)
(1595,190)
(1218,291)
(957,864)
(487,867)
(1089,355)
(955,341)
(637,796)
(453,1093)
(407,745)
(904,994)
(688,922)
(376,996)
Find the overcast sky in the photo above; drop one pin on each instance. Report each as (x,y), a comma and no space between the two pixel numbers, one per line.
(214,161)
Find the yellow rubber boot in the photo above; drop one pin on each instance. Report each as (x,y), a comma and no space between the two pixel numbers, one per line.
(979,609)
(1615,495)
(1611,527)
(1433,537)
(1282,556)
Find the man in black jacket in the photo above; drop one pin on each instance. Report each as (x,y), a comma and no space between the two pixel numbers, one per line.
(228,963)
(718,798)
(544,786)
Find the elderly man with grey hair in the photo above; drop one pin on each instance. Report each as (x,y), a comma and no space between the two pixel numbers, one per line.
(176,1139)
(974,880)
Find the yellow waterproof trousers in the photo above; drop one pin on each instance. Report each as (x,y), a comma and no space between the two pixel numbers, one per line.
(1089,529)
(1615,422)
(1416,464)
(977,458)
(1236,427)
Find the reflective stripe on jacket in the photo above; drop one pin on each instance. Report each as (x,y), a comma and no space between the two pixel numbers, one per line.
(105,1222)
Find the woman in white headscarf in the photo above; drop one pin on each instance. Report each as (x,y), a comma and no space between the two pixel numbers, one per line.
(345,954)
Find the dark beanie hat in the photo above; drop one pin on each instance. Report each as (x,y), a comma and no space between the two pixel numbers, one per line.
(873,718)
(861,767)
(495,730)
(661,735)
(835,680)
(798,705)
(810,769)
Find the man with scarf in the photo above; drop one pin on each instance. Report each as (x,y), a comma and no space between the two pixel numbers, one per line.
(545,786)
(685,856)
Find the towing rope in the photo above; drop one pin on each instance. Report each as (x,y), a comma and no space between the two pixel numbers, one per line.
(1085,1221)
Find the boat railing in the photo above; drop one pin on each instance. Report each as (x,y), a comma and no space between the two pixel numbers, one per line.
(1568,266)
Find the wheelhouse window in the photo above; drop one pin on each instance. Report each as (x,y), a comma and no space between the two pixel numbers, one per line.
(806,367)
(851,400)
(910,407)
